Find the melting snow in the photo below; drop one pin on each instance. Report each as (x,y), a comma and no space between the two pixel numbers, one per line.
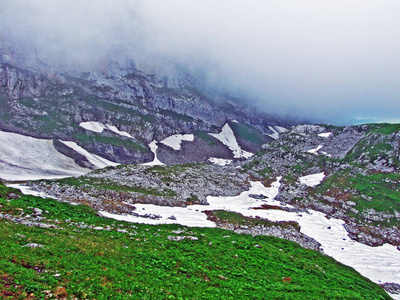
(276,130)
(98,161)
(188,216)
(27,158)
(313,179)
(156,162)
(227,137)
(325,153)
(325,134)
(115,129)
(93,126)
(28,191)
(193,215)
(99,128)
(175,141)
(315,151)
(380,264)
(220,161)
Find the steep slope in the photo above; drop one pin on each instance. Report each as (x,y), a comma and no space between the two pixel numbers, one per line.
(27,158)
(134,101)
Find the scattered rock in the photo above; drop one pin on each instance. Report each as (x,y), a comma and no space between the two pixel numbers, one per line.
(181,238)
(37,212)
(13,196)
(260,196)
(392,288)
(33,245)
(176,238)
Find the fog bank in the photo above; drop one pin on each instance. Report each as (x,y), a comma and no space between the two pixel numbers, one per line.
(329,61)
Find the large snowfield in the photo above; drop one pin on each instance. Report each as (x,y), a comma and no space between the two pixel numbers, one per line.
(26,158)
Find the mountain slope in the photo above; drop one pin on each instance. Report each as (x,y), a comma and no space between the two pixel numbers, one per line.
(135,102)
(360,168)
(54,250)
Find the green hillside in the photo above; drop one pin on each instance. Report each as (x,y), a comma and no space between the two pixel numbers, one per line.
(68,252)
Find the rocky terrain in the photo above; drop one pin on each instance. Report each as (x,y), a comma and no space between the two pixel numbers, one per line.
(361,168)
(147,99)
(256,226)
(360,165)
(118,189)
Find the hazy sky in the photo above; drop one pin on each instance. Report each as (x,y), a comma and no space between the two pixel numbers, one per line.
(332,61)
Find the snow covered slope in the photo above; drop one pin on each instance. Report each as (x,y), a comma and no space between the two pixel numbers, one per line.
(276,130)
(227,137)
(156,162)
(175,141)
(27,158)
(97,161)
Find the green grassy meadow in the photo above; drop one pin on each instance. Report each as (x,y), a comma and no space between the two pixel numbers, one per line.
(135,261)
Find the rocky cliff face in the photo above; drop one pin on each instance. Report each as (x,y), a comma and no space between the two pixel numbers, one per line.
(148,100)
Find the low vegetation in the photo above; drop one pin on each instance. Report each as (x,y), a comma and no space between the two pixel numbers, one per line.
(77,254)
(376,193)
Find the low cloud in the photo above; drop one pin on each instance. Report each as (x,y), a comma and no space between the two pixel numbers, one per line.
(329,61)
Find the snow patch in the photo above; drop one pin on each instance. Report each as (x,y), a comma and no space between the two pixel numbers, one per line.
(98,161)
(325,134)
(325,153)
(313,179)
(276,130)
(156,162)
(315,151)
(92,126)
(28,191)
(380,264)
(227,137)
(175,141)
(188,216)
(193,215)
(99,128)
(27,158)
(117,131)
(220,161)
